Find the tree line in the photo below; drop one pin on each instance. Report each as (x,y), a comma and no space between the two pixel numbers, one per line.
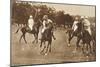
(22,11)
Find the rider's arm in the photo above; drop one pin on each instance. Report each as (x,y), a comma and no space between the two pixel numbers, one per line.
(49,20)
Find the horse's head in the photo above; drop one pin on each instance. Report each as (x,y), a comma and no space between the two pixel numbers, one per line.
(80,26)
(50,26)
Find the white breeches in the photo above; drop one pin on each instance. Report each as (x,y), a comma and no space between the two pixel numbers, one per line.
(30,23)
(43,29)
(30,26)
(75,28)
(89,30)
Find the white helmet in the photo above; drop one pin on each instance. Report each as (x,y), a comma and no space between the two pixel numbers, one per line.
(76,18)
(31,16)
(82,17)
(86,17)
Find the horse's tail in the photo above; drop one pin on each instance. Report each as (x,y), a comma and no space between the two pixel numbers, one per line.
(17,30)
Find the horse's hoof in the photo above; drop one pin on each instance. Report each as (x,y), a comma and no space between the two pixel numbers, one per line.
(68,45)
(45,54)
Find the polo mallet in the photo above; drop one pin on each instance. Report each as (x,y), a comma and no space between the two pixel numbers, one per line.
(37,10)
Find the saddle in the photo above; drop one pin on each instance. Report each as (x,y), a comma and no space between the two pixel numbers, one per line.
(29,30)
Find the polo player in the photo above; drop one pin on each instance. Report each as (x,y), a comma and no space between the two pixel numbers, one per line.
(86,24)
(74,26)
(31,22)
(45,23)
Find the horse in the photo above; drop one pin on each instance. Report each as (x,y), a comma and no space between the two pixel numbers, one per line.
(77,33)
(47,36)
(34,31)
(87,39)
(81,34)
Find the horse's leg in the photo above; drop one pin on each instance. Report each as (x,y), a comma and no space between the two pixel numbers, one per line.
(44,42)
(90,47)
(47,48)
(83,48)
(77,43)
(50,46)
(94,46)
(21,35)
(69,39)
(36,38)
(53,36)
(87,50)
(18,24)
(24,38)
(41,43)
(20,38)
(37,31)
(17,30)
(43,48)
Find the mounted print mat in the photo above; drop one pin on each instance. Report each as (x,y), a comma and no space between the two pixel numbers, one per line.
(51,33)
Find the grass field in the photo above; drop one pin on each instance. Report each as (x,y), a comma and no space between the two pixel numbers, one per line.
(26,54)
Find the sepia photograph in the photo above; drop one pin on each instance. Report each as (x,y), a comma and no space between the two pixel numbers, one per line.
(51,33)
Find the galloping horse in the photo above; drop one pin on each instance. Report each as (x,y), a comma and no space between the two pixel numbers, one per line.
(47,36)
(77,33)
(87,39)
(81,34)
(25,30)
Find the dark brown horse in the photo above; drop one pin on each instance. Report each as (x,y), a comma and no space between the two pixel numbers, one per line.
(76,33)
(47,36)
(83,35)
(89,41)
(34,31)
